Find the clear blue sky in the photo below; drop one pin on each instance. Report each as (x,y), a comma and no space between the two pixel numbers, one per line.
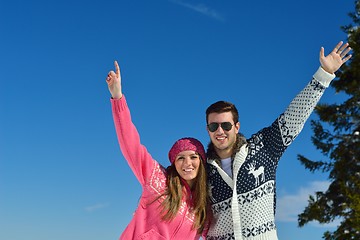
(62,175)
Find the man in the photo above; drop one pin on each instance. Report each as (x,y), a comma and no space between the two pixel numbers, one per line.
(241,172)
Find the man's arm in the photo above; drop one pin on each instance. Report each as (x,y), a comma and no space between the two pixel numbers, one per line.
(300,108)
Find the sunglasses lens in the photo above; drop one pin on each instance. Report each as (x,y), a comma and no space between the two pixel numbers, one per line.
(213,127)
(226,126)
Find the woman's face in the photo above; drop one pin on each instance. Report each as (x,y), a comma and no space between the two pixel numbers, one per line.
(187,165)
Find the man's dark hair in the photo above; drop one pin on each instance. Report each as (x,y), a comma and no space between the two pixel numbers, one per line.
(221,107)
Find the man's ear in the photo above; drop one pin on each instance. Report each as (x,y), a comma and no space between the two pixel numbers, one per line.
(237,126)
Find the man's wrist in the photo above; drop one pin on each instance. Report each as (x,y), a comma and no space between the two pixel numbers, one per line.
(323,76)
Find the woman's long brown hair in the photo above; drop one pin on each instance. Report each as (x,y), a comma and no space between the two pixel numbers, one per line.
(173,196)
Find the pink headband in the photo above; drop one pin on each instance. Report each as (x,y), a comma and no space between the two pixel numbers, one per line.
(186,144)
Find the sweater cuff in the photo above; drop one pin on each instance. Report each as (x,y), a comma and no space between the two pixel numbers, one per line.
(119,104)
(323,77)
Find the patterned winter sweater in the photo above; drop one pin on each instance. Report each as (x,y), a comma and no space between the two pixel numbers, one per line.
(146,223)
(249,212)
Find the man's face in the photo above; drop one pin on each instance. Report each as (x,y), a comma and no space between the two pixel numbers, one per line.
(223,139)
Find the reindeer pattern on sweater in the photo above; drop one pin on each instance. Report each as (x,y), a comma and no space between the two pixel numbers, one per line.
(244,206)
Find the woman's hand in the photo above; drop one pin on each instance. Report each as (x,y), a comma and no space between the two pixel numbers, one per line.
(113,80)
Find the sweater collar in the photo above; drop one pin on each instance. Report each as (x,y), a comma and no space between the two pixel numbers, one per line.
(187,189)
(212,155)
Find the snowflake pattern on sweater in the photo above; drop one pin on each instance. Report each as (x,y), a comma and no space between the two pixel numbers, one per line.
(249,212)
(157,185)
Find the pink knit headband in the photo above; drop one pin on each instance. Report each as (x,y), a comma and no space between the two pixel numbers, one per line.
(186,144)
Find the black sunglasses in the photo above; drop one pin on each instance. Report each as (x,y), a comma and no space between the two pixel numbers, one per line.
(226,126)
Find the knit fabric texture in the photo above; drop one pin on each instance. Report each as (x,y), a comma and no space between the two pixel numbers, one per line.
(187,144)
(146,222)
(244,206)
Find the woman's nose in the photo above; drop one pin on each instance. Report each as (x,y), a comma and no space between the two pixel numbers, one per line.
(187,161)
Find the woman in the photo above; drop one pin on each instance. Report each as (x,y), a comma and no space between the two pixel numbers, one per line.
(174,201)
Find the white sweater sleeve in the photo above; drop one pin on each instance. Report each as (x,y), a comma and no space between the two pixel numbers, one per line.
(300,108)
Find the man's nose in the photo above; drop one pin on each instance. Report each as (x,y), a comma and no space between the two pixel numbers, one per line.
(219,129)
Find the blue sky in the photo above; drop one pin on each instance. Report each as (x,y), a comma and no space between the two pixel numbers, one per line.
(62,175)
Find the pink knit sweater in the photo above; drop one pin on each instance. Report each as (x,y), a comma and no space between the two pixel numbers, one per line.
(146,222)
